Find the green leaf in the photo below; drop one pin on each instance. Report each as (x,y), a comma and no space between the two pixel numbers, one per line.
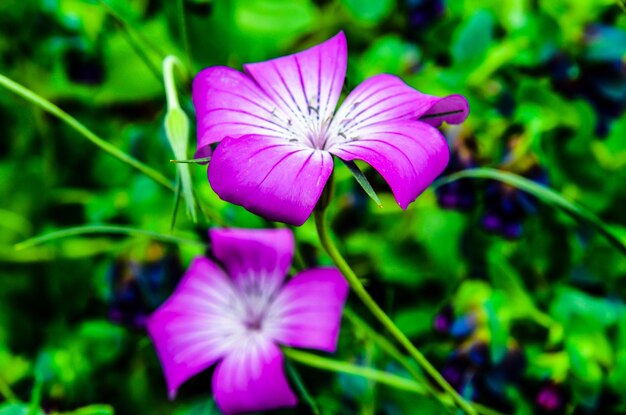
(97,409)
(362,180)
(543,193)
(570,306)
(18,409)
(472,39)
(414,321)
(388,54)
(102,340)
(617,377)
(369,12)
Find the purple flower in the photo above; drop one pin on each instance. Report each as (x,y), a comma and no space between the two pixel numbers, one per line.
(278,130)
(236,315)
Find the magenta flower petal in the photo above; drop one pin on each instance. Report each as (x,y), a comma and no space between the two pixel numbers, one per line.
(384,98)
(270,176)
(251,378)
(229,103)
(193,329)
(309,309)
(408,154)
(306,85)
(261,255)
(452,109)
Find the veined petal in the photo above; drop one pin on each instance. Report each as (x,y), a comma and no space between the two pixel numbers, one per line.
(384,98)
(229,103)
(254,256)
(251,378)
(307,312)
(408,154)
(275,179)
(306,85)
(195,327)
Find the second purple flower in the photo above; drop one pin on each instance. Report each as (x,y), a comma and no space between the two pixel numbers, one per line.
(238,314)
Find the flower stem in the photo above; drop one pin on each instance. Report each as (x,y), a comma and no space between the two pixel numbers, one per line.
(393,352)
(304,392)
(5,391)
(333,365)
(368,301)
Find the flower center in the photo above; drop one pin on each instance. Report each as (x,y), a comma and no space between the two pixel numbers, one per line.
(256,301)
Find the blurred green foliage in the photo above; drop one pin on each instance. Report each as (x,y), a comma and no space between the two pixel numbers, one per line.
(532,323)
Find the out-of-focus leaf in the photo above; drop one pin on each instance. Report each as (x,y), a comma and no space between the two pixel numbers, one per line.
(472,40)
(103,341)
(606,43)
(585,368)
(617,376)
(543,36)
(440,232)
(12,368)
(570,306)
(471,293)
(19,409)
(414,321)
(389,54)
(548,365)
(505,278)
(92,410)
(198,407)
(369,12)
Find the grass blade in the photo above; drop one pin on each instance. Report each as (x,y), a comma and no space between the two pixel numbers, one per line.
(102,229)
(84,131)
(543,193)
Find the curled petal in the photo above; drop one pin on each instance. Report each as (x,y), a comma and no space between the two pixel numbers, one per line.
(251,378)
(270,177)
(309,308)
(384,98)
(229,103)
(260,257)
(408,154)
(452,109)
(194,328)
(306,85)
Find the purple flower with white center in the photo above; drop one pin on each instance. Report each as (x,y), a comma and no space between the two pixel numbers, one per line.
(278,130)
(237,315)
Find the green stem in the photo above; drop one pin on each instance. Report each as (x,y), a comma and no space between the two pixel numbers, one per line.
(5,391)
(295,376)
(389,348)
(35,397)
(368,301)
(384,344)
(99,229)
(375,375)
(182,23)
(84,131)
(132,30)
